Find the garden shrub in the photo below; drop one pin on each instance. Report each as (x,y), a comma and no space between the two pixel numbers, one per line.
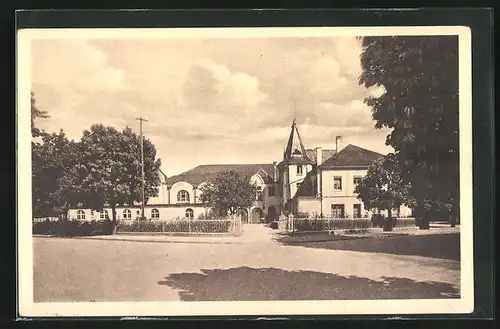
(303,215)
(178,226)
(317,224)
(274,225)
(377,220)
(73,228)
(356,231)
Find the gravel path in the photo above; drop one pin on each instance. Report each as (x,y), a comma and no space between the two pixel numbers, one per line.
(100,270)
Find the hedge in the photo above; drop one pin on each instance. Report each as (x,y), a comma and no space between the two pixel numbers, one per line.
(178,226)
(317,224)
(73,228)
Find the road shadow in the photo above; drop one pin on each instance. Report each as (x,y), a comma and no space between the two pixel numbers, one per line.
(441,246)
(261,284)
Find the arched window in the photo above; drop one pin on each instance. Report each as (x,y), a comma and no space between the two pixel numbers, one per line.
(155,214)
(183,196)
(189,214)
(80,214)
(104,214)
(127,214)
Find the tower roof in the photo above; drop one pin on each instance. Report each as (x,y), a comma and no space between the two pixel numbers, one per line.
(295,149)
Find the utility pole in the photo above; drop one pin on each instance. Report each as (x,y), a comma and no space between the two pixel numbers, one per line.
(142,164)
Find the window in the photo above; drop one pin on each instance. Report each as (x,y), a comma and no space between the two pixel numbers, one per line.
(155,214)
(104,214)
(356,180)
(337,210)
(127,214)
(299,170)
(183,196)
(298,185)
(80,214)
(356,211)
(189,213)
(258,193)
(337,183)
(270,191)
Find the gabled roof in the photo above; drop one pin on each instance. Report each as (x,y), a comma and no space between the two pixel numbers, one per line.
(352,156)
(204,173)
(308,187)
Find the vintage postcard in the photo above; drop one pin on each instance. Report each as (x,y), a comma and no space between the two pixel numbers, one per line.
(244,171)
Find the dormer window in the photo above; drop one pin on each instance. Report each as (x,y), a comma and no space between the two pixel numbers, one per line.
(183,196)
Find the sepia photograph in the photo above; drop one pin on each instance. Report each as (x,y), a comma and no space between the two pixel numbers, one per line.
(224,171)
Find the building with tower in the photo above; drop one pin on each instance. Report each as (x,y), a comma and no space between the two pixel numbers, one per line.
(316,182)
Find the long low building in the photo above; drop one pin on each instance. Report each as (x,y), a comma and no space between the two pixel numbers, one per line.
(314,182)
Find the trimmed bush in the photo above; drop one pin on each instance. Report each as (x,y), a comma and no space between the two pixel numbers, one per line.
(330,224)
(377,220)
(274,225)
(73,228)
(178,226)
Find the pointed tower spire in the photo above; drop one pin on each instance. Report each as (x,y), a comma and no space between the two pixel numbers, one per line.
(295,148)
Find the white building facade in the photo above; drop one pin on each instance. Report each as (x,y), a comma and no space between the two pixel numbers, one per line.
(313,182)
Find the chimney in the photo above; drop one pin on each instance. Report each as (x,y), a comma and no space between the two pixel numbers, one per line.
(275,172)
(319,156)
(338,139)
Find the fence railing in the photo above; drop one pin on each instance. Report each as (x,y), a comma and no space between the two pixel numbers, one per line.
(332,224)
(181,226)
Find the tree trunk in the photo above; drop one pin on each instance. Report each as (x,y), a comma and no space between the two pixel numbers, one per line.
(65,210)
(423,222)
(113,221)
(388,220)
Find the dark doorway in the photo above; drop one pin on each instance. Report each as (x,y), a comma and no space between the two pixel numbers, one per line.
(271,213)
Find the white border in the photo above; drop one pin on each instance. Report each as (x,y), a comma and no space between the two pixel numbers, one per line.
(27,307)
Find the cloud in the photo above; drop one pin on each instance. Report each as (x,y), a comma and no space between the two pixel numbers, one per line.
(208,101)
(214,86)
(348,51)
(81,66)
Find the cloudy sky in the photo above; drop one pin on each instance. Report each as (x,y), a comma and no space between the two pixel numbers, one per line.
(208,101)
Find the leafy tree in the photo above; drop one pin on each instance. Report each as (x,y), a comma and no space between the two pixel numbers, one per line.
(36,113)
(52,158)
(420,105)
(70,192)
(109,171)
(383,188)
(228,192)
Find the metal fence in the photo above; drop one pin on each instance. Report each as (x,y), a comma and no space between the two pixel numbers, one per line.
(222,226)
(332,224)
